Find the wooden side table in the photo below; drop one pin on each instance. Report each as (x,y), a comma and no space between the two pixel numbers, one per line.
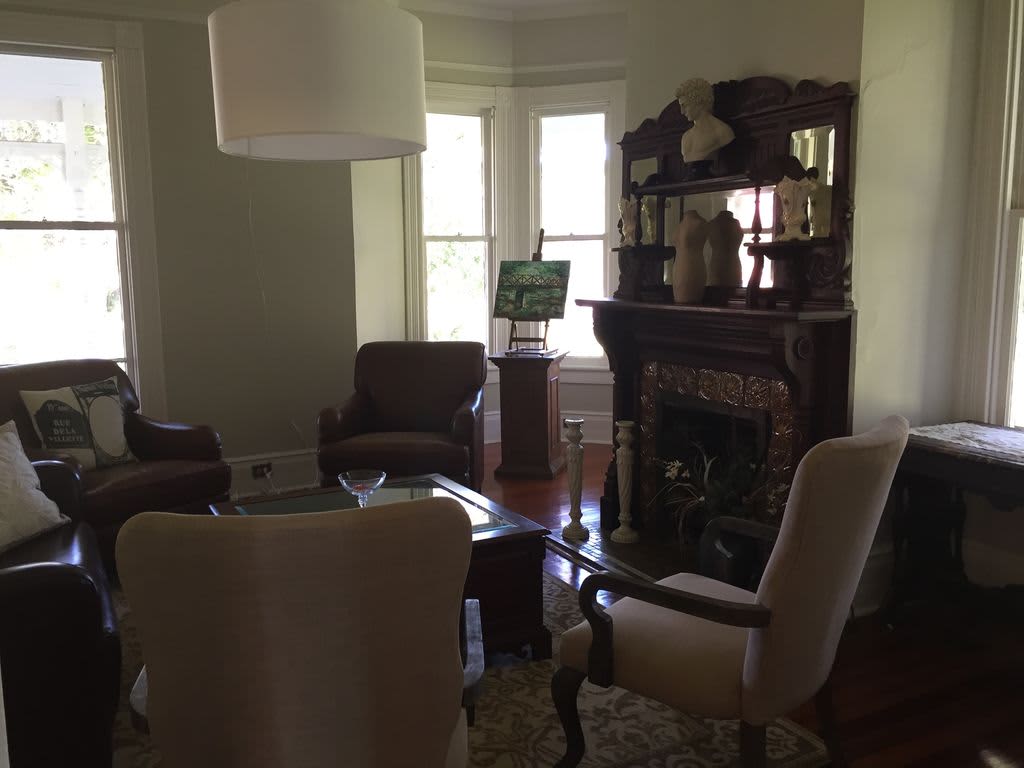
(531,426)
(940,463)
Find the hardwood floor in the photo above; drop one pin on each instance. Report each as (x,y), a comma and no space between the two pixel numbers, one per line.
(942,690)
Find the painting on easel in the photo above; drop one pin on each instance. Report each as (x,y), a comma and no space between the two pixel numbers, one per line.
(532,290)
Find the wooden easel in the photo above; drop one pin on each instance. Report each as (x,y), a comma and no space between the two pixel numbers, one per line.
(513,337)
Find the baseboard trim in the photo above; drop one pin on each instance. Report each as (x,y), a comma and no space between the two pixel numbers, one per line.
(292,471)
(597,426)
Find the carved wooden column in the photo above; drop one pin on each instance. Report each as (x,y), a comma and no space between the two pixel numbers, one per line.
(575,530)
(613,331)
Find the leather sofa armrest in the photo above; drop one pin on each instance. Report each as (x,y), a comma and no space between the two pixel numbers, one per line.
(468,430)
(467,418)
(337,423)
(152,439)
(61,481)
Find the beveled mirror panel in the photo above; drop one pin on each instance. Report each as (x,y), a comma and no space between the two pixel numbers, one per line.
(816,148)
(639,170)
(723,245)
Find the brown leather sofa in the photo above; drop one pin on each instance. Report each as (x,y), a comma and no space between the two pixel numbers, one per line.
(59,645)
(179,467)
(417,409)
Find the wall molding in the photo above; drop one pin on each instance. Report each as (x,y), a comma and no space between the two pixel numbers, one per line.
(511,71)
(292,471)
(537,11)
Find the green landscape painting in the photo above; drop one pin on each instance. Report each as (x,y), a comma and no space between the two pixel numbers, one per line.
(532,290)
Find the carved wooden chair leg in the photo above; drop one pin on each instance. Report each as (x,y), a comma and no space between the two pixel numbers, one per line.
(565,686)
(752,745)
(827,722)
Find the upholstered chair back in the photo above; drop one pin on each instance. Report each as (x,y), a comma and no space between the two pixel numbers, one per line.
(34,377)
(836,501)
(416,386)
(301,640)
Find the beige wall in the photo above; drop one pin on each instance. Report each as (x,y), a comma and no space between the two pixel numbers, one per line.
(252,368)
(670,41)
(918,76)
(379,240)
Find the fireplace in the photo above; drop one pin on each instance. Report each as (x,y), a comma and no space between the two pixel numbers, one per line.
(702,415)
(770,383)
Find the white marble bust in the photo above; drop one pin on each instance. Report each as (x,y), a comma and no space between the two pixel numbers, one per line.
(708,134)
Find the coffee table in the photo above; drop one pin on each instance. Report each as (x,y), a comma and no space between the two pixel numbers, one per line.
(506,568)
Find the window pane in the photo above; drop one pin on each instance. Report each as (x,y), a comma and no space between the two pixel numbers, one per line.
(54,155)
(1017,382)
(453,176)
(573,154)
(60,296)
(457,305)
(575,332)
(742,206)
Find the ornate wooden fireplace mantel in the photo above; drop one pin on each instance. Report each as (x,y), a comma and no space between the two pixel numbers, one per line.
(792,367)
(767,366)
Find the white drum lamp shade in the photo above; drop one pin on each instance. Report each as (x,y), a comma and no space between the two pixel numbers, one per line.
(318,79)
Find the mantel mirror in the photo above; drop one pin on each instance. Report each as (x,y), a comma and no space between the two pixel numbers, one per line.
(779,130)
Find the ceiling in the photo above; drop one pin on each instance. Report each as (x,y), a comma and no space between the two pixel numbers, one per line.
(198,10)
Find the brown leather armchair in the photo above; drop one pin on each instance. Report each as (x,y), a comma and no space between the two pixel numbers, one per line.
(179,467)
(59,641)
(417,409)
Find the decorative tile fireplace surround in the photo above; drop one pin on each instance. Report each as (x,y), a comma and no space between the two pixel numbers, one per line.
(783,376)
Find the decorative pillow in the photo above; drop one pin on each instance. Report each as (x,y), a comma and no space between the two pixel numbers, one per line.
(25,511)
(85,421)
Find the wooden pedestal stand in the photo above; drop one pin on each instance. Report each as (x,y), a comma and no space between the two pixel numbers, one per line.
(531,428)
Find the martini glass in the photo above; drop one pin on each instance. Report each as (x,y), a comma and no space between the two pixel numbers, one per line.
(362,482)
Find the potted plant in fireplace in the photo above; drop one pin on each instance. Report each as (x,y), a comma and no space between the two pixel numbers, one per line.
(696,489)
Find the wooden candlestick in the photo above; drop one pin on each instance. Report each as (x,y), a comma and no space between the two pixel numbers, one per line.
(575,530)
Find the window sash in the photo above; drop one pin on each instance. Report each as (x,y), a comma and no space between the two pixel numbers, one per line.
(486,115)
(570,109)
(117,225)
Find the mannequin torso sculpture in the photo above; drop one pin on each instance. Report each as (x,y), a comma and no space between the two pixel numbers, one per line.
(689,274)
(725,236)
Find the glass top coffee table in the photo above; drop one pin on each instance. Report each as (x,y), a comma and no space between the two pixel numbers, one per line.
(506,569)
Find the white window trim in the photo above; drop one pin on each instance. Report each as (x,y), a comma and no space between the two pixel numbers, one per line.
(992,263)
(514,227)
(129,124)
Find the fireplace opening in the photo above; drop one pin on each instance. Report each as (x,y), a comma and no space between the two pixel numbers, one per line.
(711,460)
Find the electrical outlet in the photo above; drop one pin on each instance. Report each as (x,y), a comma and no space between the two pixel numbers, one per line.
(260,471)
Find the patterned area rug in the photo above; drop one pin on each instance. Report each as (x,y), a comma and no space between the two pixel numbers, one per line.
(516,725)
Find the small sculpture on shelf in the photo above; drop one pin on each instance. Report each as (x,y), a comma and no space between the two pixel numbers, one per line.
(648,206)
(725,236)
(628,214)
(689,273)
(708,134)
(793,196)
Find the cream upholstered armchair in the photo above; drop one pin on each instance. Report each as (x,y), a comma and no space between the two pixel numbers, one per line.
(302,640)
(719,651)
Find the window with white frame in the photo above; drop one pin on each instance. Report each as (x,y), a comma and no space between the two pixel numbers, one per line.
(571,206)
(457,226)
(74,171)
(61,224)
(540,156)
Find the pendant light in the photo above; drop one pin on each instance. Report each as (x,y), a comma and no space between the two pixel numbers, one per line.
(317,79)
